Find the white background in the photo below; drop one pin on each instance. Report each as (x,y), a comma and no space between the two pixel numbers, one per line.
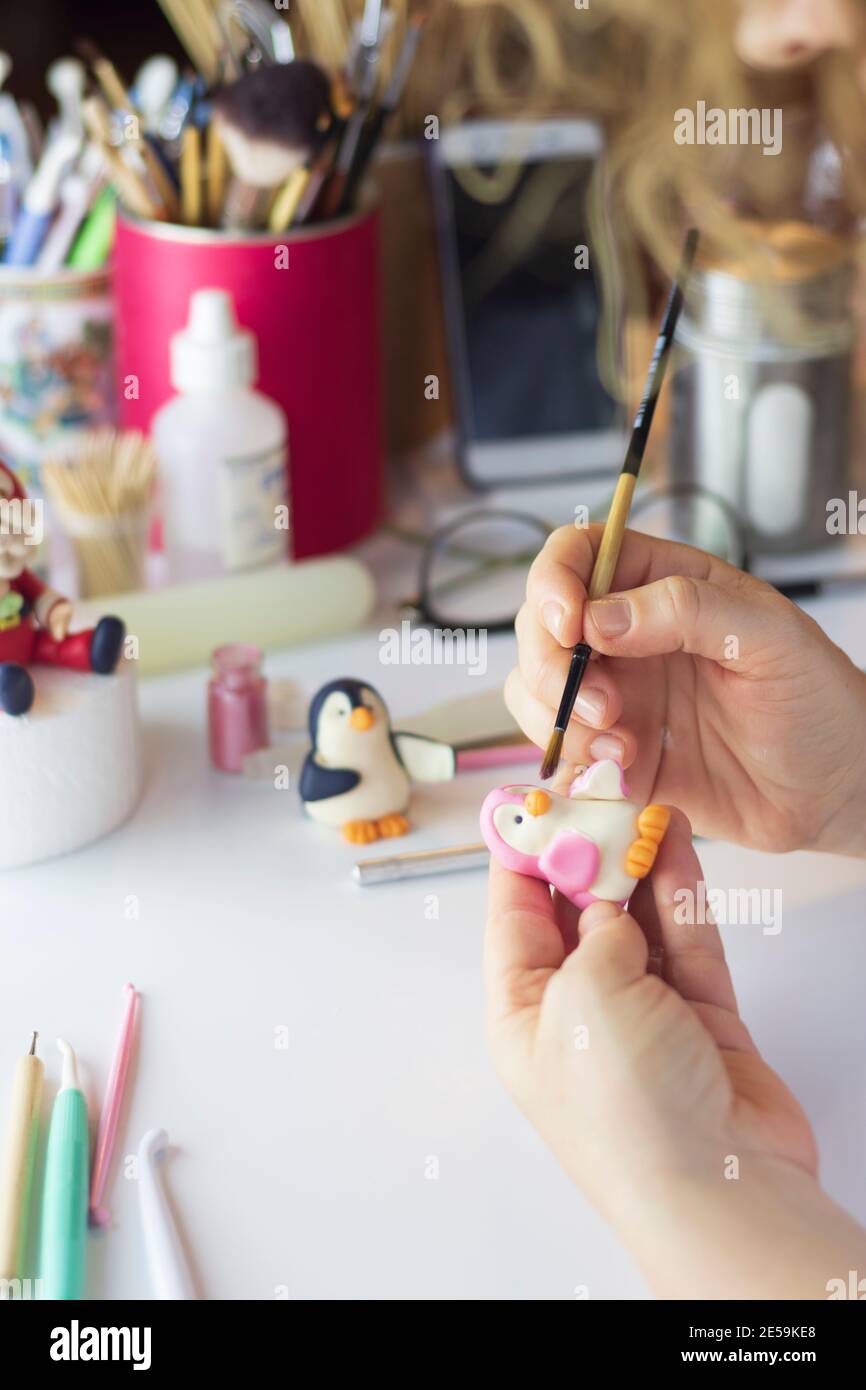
(304,1168)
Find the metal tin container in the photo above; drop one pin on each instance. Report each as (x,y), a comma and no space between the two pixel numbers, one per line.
(761,403)
(311,297)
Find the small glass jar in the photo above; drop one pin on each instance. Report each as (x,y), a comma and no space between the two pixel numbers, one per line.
(237,706)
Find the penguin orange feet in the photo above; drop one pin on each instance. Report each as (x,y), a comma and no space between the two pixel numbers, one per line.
(392,825)
(361,832)
(652,824)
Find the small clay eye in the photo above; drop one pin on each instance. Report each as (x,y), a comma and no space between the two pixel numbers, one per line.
(518,820)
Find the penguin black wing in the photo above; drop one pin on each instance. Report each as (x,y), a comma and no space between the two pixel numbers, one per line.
(321,783)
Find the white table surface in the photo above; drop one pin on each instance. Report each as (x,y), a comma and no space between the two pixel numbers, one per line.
(302,1171)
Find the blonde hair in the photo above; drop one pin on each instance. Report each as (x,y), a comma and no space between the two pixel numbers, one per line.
(633,64)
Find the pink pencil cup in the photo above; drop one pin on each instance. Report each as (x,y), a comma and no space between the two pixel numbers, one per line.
(311,297)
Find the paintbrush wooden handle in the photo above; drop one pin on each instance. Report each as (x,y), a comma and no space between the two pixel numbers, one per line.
(288,200)
(617,518)
(604,568)
(215,160)
(131,187)
(190,176)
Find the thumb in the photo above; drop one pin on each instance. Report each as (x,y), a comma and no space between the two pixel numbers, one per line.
(613,950)
(729,622)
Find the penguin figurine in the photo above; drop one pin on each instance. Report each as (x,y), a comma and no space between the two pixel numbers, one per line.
(358,773)
(593,843)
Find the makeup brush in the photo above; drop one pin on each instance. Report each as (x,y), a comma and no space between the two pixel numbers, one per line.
(271,119)
(611,541)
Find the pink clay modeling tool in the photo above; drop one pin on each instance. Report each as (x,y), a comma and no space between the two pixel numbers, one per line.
(496,755)
(109,1118)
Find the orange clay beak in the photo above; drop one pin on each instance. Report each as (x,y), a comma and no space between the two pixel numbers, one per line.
(361,719)
(537,802)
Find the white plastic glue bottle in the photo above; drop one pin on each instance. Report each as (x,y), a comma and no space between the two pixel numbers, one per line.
(221,448)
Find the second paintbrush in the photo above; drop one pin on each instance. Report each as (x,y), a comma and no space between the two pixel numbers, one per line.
(614,529)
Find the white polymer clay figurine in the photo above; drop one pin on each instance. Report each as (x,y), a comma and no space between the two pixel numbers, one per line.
(593,843)
(358,774)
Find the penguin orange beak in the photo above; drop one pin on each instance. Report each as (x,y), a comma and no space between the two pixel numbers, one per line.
(361,719)
(537,802)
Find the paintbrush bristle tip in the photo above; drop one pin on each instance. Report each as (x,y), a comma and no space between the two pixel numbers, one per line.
(552,755)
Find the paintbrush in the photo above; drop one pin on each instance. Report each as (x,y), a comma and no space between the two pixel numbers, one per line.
(196,33)
(362,81)
(372,132)
(614,528)
(118,98)
(320,167)
(129,183)
(215,166)
(190,176)
(318,173)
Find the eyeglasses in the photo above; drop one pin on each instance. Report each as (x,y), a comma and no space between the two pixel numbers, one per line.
(473,571)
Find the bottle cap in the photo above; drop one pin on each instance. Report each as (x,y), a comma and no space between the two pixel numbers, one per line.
(212,353)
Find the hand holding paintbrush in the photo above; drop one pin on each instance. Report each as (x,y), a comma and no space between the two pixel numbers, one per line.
(611,541)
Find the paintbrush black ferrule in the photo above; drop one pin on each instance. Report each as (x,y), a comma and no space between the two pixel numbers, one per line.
(579,662)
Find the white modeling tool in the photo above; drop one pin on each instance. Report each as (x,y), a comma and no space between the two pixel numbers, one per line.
(153,87)
(77,194)
(14,134)
(41,198)
(66,80)
(166,1259)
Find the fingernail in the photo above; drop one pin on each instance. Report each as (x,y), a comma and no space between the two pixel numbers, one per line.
(596,914)
(612,616)
(591,705)
(607,746)
(552,615)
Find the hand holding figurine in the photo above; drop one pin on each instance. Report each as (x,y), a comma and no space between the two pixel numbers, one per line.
(630,1058)
(745,713)
(592,844)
